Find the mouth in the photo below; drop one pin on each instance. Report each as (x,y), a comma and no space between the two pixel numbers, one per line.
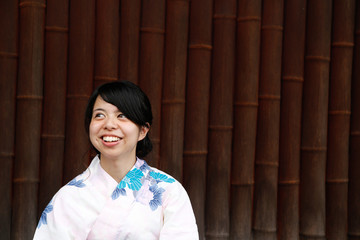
(110,139)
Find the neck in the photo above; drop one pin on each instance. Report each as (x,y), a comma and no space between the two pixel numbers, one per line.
(117,168)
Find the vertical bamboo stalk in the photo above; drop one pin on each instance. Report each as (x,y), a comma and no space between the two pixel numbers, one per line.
(267,139)
(197,107)
(314,120)
(53,119)
(339,119)
(290,119)
(354,145)
(221,120)
(29,98)
(151,65)
(79,85)
(245,117)
(129,40)
(8,70)
(106,41)
(173,94)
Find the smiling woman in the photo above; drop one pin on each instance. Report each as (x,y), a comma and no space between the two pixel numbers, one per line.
(119,196)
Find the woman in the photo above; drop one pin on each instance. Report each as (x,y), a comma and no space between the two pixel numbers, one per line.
(119,196)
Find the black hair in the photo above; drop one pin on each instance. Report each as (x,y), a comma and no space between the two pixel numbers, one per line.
(131,101)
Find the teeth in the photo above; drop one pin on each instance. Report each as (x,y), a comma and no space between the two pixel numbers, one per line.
(110,139)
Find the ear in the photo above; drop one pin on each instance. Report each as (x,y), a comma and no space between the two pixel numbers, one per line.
(143,131)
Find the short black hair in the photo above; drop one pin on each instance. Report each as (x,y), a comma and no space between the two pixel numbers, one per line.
(131,101)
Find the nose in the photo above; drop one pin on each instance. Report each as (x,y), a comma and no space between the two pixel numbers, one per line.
(110,123)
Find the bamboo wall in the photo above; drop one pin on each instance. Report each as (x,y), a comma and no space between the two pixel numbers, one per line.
(256,107)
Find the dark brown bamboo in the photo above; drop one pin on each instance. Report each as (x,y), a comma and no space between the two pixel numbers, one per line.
(339,119)
(197,107)
(79,85)
(245,117)
(174,86)
(8,70)
(354,142)
(151,65)
(220,120)
(53,118)
(290,119)
(314,120)
(129,40)
(267,139)
(28,106)
(106,41)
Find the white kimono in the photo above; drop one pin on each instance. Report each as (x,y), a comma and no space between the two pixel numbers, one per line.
(147,204)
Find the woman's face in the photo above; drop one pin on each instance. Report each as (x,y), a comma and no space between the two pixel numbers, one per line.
(111,133)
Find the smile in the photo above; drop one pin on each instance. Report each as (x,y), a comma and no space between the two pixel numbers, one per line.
(110,139)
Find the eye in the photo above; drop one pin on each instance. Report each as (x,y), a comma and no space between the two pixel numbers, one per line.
(99,115)
(122,116)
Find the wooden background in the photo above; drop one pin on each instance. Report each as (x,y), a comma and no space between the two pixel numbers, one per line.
(256,106)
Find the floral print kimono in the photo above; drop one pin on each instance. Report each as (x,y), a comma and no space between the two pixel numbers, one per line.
(147,204)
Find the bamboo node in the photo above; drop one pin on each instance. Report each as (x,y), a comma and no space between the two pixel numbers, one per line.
(249,18)
(195,153)
(246,104)
(53,136)
(32,4)
(264,230)
(217,234)
(267,163)
(272,27)
(337,180)
(200,46)
(343,44)
(312,236)
(289,182)
(293,79)
(7,154)
(224,16)
(29,97)
(152,30)
(8,55)
(355,133)
(243,184)
(26,180)
(220,128)
(173,101)
(105,78)
(318,58)
(56,29)
(353,234)
(340,112)
(269,97)
(313,149)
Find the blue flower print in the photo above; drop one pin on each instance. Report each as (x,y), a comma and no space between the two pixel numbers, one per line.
(132,180)
(161,177)
(157,199)
(117,192)
(78,184)
(43,218)
(144,167)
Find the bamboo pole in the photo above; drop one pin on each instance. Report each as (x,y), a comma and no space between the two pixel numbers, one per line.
(79,85)
(220,120)
(268,125)
(174,86)
(197,107)
(151,65)
(354,142)
(245,117)
(314,120)
(106,41)
(8,70)
(28,106)
(53,118)
(339,119)
(129,40)
(290,119)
